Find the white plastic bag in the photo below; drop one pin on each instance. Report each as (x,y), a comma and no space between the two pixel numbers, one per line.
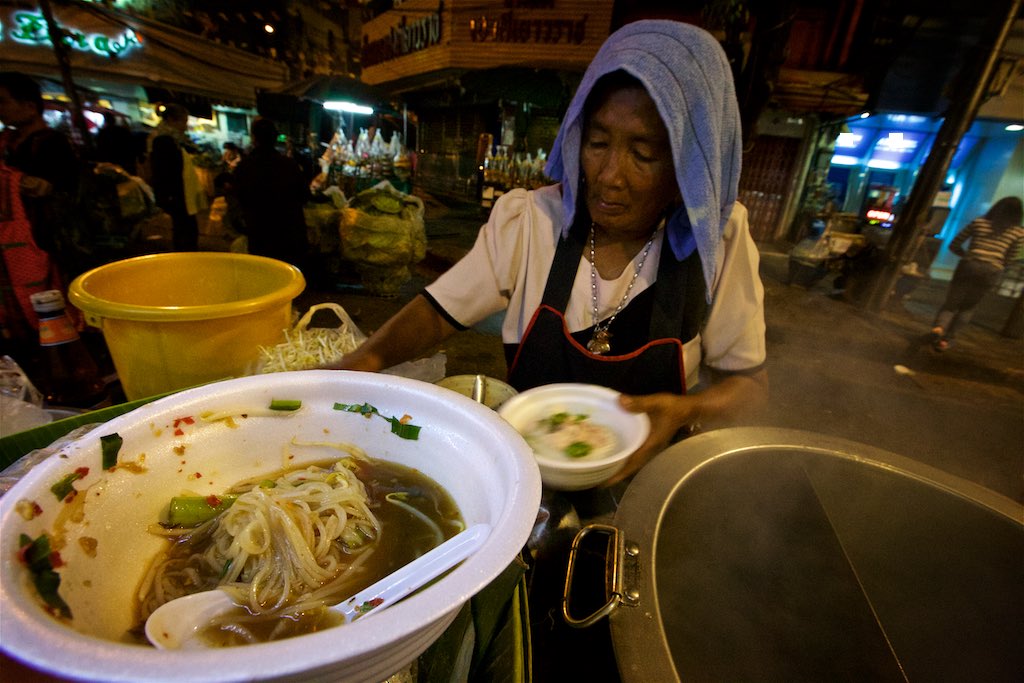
(306,348)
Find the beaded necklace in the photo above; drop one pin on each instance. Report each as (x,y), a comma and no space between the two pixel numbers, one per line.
(600,341)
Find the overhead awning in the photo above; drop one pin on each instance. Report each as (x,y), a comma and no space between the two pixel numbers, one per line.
(124,48)
(819,91)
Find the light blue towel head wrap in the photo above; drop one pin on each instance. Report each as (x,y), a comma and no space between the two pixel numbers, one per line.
(687,75)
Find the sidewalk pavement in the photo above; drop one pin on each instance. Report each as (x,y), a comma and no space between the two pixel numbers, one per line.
(834,368)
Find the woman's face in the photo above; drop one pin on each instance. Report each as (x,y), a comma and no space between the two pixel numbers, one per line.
(627,163)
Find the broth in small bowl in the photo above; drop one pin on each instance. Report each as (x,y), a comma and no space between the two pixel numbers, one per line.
(579,434)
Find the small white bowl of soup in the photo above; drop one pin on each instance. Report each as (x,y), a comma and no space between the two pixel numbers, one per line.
(108,515)
(580,435)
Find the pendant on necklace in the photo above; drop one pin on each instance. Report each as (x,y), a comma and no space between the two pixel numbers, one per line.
(600,342)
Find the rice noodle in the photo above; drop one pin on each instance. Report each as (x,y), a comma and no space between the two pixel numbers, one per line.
(277,550)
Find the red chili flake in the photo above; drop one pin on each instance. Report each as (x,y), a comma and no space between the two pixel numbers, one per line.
(71,496)
(82,472)
(213,501)
(180,421)
(369,605)
(23,553)
(198,475)
(36,509)
(56,560)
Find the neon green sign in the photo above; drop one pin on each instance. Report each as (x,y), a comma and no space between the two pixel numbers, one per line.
(30,28)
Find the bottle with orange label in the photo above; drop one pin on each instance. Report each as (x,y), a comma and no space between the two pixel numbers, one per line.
(69,374)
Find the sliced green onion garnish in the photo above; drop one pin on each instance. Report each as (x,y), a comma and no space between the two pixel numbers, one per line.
(63,488)
(285,404)
(110,445)
(400,429)
(190,511)
(37,555)
(578,449)
(404,431)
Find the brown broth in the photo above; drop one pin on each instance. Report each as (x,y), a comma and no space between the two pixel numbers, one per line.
(403,538)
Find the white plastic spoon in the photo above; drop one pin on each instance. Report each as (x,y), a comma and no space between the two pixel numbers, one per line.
(176,624)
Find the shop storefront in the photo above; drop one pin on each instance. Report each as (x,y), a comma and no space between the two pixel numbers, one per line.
(126,63)
(877,159)
(488,81)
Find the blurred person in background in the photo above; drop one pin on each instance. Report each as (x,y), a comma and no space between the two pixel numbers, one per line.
(115,144)
(638,271)
(173,177)
(39,173)
(272,192)
(231,156)
(993,241)
(46,158)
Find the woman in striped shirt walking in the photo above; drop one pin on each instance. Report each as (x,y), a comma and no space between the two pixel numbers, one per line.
(994,240)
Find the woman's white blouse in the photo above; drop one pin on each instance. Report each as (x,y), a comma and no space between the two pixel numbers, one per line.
(508,266)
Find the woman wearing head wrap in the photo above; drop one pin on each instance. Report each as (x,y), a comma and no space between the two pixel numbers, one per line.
(637,270)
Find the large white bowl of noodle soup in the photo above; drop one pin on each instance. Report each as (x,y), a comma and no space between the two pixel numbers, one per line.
(476,456)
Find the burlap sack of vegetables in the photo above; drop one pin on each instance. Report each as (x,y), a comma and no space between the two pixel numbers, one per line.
(382,233)
(322,221)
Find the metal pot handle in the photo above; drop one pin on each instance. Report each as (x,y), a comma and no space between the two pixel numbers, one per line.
(618,593)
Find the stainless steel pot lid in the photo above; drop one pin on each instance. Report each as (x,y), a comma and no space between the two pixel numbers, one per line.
(770,554)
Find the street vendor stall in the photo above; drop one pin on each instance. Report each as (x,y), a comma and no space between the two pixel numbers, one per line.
(356,146)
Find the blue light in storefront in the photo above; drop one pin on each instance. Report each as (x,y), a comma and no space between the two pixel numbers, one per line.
(906,119)
(895,149)
(955,197)
(845,160)
(849,140)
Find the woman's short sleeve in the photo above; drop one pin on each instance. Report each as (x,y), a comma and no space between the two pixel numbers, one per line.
(733,337)
(482,282)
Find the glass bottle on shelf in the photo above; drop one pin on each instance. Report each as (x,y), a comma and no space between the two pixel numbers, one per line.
(69,375)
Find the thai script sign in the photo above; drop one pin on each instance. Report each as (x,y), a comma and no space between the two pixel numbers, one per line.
(406,37)
(508,28)
(30,28)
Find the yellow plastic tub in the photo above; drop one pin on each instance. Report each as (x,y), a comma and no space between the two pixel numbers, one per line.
(176,320)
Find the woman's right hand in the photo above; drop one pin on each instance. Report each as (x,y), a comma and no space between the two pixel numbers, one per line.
(668,414)
(724,401)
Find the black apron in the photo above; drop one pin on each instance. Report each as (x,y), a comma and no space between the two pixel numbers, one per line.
(647,335)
